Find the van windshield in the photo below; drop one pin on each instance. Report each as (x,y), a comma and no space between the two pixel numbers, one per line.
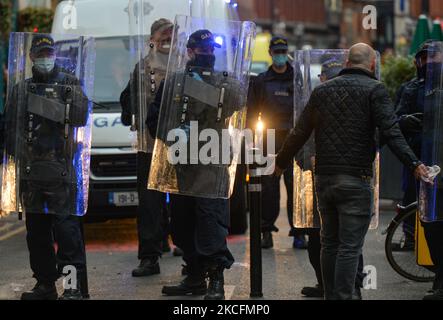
(113,66)
(112,69)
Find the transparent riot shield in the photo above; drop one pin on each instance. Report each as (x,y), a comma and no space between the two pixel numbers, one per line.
(313,68)
(150,55)
(48,124)
(431,195)
(202,112)
(121,29)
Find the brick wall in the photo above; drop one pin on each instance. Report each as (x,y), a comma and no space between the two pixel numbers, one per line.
(311,11)
(435,8)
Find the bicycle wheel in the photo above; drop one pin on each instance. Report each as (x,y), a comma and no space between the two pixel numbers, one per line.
(400,253)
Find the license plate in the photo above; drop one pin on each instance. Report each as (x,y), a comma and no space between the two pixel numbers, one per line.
(121,199)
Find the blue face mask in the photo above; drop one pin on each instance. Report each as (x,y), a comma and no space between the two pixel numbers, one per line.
(280,59)
(44,65)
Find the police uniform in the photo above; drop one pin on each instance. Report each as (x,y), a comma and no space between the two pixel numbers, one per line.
(199,225)
(428,136)
(152,219)
(272,95)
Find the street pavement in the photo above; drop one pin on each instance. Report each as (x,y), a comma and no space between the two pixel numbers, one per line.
(112,254)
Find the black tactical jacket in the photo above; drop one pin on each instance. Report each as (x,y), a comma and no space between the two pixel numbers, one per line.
(412,101)
(48,141)
(344,113)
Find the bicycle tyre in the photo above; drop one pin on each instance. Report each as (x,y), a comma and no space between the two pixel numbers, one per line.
(397,222)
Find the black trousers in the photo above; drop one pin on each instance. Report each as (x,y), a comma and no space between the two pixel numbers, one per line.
(152,219)
(434,237)
(345,204)
(314,252)
(43,231)
(271,201)
(199,226)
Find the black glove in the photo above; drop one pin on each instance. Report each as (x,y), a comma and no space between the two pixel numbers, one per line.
(412,123)
(78,114)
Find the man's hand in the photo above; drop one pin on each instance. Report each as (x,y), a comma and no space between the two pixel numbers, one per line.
(278,171)
(421,172)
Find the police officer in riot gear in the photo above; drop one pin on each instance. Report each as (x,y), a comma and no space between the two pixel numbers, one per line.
(434,229)
(423,94)
(199,225)
(45,153)
(151,212)
(409,109)
(271,94)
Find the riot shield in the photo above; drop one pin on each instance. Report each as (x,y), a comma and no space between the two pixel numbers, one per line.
(202,112)
(48,124)
(150,55)
(430,195)
(150,59)
(316,67)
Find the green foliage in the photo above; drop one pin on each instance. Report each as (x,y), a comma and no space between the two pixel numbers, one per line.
(5,18)
(31,18)
(395,71)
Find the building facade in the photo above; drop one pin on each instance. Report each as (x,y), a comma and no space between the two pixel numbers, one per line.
(313,23)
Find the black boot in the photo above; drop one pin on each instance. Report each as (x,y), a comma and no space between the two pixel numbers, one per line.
(71,294)
(216,289)
(266,241)
(434,295)
(41,291)
(191,285)
(81,285)
(147,267)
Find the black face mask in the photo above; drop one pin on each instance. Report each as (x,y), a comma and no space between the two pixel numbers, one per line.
(203,61)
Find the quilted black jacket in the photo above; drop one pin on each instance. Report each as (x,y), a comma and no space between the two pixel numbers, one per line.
(344,113)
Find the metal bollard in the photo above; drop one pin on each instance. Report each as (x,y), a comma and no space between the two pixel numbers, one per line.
(254,189)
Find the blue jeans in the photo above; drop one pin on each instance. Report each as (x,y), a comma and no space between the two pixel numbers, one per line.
(344,203)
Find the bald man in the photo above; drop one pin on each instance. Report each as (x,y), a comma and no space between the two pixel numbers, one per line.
(344,113)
